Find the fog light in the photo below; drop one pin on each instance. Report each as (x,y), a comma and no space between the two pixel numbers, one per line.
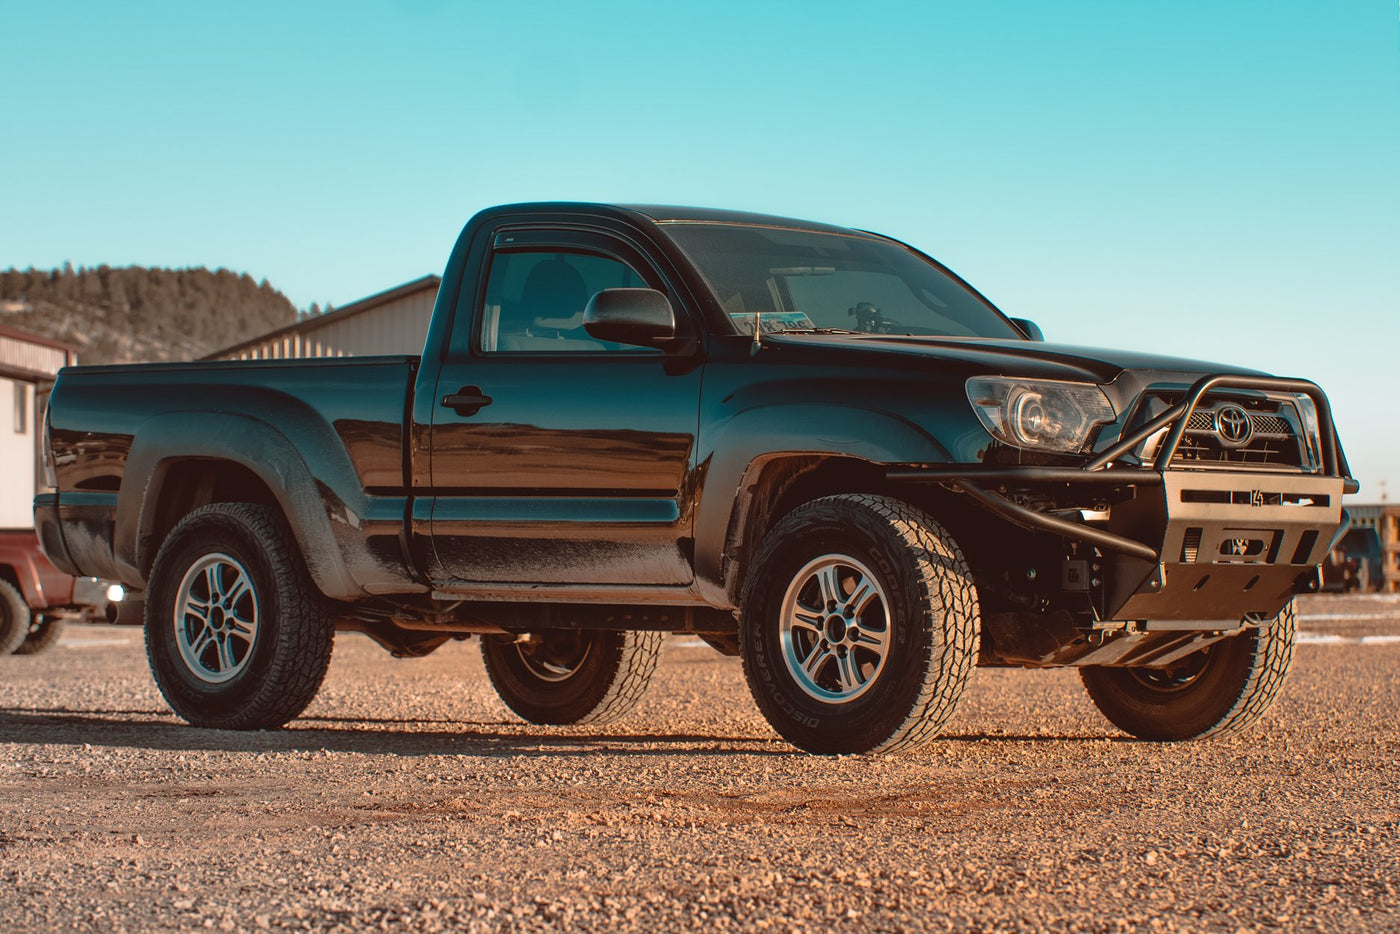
(116,593)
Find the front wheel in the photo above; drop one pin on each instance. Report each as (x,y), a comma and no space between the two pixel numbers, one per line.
(571,676)
(860,626)
(1221,689)
(237,635)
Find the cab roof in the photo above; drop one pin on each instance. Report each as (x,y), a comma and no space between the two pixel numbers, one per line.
(670,213)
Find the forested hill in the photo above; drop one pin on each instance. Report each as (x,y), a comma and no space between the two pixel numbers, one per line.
(136,314)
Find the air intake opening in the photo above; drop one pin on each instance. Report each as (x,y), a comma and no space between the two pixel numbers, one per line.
(1191,545)
(1305,547)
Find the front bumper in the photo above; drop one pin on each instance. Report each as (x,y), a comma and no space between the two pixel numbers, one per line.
(1184,546)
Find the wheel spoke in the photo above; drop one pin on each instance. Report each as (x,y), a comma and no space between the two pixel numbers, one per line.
(237,591)
(226,660)
(211,582)
(813,663)
(830,583)
(847,673)
(860,597)
(806,619)
(201,642)
(876,640)
(198,609)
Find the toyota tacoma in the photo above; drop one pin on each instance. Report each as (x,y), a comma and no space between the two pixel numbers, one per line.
(813,447)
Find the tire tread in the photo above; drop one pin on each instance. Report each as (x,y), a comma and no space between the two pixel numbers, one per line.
(42,635)
(641,653)
(15,616)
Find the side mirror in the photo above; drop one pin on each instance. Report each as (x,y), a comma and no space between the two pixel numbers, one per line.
(1029,328)
(637,317)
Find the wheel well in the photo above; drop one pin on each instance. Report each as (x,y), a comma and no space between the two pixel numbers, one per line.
(187,485)
(781,485)
(8,575)
(785,483)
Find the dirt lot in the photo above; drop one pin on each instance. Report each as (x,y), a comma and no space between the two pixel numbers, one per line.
(409,799)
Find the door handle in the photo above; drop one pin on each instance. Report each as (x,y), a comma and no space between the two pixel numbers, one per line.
(467,401)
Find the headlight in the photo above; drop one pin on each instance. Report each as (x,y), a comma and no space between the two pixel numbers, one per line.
(1312,430)
(1045,415)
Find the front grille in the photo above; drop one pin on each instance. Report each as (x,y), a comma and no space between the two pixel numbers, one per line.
(1273,426)
(1273,440)
(1213,435)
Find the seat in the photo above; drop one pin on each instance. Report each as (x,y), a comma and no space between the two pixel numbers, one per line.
(555,295)
(549,314)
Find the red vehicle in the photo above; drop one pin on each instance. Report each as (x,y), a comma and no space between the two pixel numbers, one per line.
(36,598)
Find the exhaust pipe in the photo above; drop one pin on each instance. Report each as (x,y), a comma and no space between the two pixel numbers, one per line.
(128,612)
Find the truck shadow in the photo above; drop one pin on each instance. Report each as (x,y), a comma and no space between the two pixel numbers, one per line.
(154,729)
(159,730)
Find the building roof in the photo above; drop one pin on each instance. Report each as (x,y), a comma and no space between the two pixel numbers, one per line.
(31,357)
(340,314)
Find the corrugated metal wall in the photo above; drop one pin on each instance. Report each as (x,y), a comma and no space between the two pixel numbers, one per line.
(18,354)
(394,327)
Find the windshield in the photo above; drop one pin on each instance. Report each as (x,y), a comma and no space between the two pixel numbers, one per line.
(795,280)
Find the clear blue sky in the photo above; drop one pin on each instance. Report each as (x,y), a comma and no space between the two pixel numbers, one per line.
(1213,179)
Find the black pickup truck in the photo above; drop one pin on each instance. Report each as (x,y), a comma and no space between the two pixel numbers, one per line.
(813,447)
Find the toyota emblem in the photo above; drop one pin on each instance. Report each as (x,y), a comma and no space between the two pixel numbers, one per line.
(1233,426)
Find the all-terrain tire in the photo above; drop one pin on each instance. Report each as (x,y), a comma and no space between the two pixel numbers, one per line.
(237,635)
(572,676)
(44,631)
(859,625)
(1220,690)
(14,617)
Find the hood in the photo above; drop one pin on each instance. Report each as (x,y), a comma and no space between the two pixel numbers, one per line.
(1031,359)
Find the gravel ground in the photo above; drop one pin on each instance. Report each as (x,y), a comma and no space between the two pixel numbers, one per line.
(408,798)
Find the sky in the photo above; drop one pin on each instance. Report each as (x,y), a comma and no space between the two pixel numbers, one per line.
(1217,180)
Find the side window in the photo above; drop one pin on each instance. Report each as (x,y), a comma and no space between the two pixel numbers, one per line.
(535,301)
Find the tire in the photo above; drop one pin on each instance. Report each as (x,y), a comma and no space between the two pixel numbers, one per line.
(572,676)
(44,631)
(1219,690)
(859,626)
(14,617)
(256,659)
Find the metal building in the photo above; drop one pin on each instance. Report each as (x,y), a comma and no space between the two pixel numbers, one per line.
(1385,519)
(391,322)
(28,365)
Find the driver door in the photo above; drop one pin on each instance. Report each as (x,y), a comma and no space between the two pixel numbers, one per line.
(556,458)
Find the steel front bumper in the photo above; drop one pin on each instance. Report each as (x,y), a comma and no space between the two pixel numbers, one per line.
(1181,547)
(1231,545)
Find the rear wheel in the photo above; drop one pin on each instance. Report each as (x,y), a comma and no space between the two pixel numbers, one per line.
(14,617)
(43,632)
(860,626)
(237,634)
(1221,689)
(572,676)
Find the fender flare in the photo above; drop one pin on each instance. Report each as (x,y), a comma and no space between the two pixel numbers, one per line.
(262,449)
(749,441)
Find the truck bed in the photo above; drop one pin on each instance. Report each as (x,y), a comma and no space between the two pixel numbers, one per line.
(339,421)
